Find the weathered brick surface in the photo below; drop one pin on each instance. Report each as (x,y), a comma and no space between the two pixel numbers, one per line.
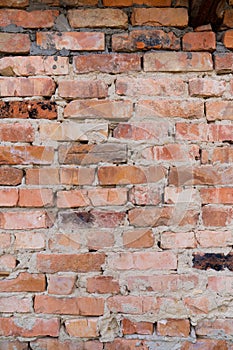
(115,176)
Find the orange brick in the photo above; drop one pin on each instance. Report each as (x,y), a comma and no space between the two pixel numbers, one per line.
(206,87)
(145,40)
(210,344)
(125,344)
(26,86)
(129,86)
(72,199)
(227,39)
(65,242)
(97,239)
(82,328)
(42,176)
(103,285)
(215,216)
(61,284)
(80,176)
(14,43)
(138,238)
(219,110)
(7,263)
(199,41)
(57,344)
(216,195)
(82,88)
(222,155)
(227,19)
(24,282)
(18,326)
(24,220)
(97,18)
(17,132)
(129,327)
(126,3)
(143,261)
(170,108)
(14,3)
(72,306)
(173,328)
(29,241)
(223,62)
(169,17)
(35,197)
(10,176)
(108,196)
(208,239)
(74,41)
(33,65)
(33,19)
(172,152)
(52,263)
(8,197)
(107,63)
(178,62)
(5,240)
(26,155)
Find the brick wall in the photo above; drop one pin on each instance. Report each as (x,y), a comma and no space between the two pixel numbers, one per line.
(116,177)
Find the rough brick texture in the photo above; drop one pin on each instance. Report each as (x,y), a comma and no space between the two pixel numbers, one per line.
(115,176)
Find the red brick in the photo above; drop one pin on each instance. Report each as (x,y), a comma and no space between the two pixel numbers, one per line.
(17,132)
(33,19)
(227,39)
(130,327)
(82,88)
(143,261)
(74,41)
(219,110)
(130,304)
(170,17)
(61,284)
(14,43)
(217,195)
(15,304)
(222,155)
(199,305)
(74,131)
(7,263)
(10,176)
(97,18)
(140,238)
(172,153)
(126,3)
(107,63)
(72,199)
(102,285)
(99,239)
(70,3)
(24,220)
(8,197)
(145,40)
(199,41)
(29,241)
(172,240)
(42,176)
(72,306)
(65,242)
(217,216)
(206,87)
(204,132)
(125,344)
(5,240)
(163,283)
(14,3)
(33,65)
(28,109)
(12,345)
(80,176)
(26,86)
(29,327)
(203,28)
(52,263)
(35,197)
(108,196)
(202,344)
(150,194)
(220,132)
(26,155)
(227,19)
(157,131)
(200,175)
(220,284)
(103,109)
(24,282)
(209,239)
(120,175)
(213,328)
(163,216)
(178,62)
(56,344)
(173,328)
(223,62)
(129,86)
(82,328)
(170,108)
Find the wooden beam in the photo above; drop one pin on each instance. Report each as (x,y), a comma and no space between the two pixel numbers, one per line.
(205,12)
